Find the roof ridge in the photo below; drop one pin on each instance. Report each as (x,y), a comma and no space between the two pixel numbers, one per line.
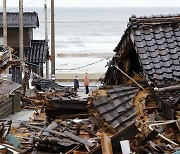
(154,19)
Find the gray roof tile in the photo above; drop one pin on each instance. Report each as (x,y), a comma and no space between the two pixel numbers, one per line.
(160,41)
(120,108)
(148,37)
(170,40)
(138,38)
(157,36)
(165,57)
(158,49)
(177,33)
(38,52)
(168,35)
(30,19)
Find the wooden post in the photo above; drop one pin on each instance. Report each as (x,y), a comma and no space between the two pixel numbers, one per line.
(21,47)
(169,88)
(106,144)
(52,41)
(5,29)
(21,52)
(4,24)
(46,37)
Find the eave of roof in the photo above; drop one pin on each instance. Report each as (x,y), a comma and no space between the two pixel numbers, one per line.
(30,19)
(7,87)
(157,42)
(38,52)
(118,109)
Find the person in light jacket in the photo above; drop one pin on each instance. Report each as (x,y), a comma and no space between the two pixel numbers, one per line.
(76,83)
(86,83)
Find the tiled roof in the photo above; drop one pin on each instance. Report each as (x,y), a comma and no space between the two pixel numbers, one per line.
(157,41)
(4,56)
(7,87)
(38,51)
(30,19)
(118,109)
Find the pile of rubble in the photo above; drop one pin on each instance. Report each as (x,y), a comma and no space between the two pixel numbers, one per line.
(114,119)
(61,122)
(134,115)
(61,135)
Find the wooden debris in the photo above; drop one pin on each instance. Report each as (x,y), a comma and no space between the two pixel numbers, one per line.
(106,144)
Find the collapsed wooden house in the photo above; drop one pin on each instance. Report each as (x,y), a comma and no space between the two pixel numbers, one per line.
(150,48)
(142,83)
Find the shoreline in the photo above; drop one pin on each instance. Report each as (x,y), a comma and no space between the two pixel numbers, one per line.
(69,77)
(92,55)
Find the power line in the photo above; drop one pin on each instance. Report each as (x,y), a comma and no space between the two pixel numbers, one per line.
(71,69)
(23,5)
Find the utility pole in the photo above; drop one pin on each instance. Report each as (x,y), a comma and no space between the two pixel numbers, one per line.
(46,37)
(52,42)
(5,28)
(21,50)
(4,24)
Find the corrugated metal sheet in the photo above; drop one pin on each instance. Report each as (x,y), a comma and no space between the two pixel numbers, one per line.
(30,19)
(7,87)
(38,51)
(117,109)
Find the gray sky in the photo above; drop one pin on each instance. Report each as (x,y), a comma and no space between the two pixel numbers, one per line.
(97,3)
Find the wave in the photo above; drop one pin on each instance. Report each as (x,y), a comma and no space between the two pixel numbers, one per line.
(92,55)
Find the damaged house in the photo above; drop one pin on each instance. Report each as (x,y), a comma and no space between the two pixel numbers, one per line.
(142,82)
(35,51)
(150,47)
(136,110)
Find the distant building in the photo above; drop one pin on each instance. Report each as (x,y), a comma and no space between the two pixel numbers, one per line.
(30,21)
(32,49)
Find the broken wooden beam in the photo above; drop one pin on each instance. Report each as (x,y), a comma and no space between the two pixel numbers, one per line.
(46,130)
(169,88)
(64,134)
(78,139)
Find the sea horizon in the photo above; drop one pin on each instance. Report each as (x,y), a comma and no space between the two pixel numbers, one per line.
(92,31)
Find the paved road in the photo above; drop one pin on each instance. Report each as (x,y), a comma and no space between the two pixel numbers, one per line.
(81,90)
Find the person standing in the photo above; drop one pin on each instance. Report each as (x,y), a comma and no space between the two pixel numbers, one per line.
(86,83)
(76,83)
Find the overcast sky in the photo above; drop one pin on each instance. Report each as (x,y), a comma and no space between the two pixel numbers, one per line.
(97,3)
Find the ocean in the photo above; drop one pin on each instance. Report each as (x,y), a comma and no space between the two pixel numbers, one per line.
(85,36)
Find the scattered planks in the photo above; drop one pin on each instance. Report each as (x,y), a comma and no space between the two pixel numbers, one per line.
(64,134)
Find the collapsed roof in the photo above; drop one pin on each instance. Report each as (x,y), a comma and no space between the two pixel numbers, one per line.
(151,46)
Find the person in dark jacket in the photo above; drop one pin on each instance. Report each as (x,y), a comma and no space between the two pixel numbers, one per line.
(76,83)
